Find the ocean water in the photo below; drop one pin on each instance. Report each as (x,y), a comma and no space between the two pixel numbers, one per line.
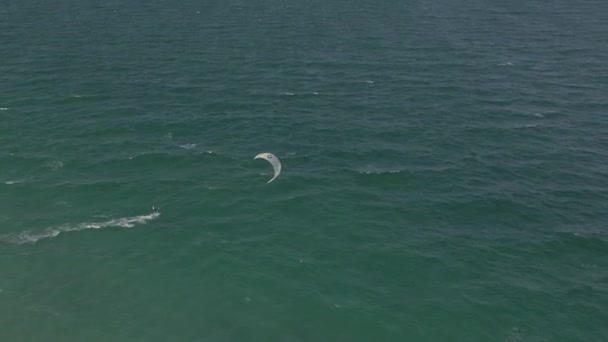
(445,170)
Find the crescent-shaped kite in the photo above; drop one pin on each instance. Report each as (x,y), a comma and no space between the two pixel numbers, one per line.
(274,161)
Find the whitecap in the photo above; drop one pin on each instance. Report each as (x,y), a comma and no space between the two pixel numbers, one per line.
(51,232)
(12,182)
(188,146)
(506,63)
(315,93)
(289,94)
(370,82)
(3,108)
(539,115)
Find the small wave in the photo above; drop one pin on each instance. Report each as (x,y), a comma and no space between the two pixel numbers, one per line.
(188,146)
(54,164)
(12,182)
(51,232)
(523,126)
(369,82)
(137,155)
(506,63)
(315,93)
(539,115)
(379,172)
(3,108)
(289,94)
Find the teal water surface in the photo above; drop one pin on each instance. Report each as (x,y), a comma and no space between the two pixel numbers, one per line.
(444,174)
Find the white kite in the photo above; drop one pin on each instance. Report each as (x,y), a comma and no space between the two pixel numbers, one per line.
(274,161)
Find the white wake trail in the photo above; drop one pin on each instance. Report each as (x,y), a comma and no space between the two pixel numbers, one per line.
(29,236)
